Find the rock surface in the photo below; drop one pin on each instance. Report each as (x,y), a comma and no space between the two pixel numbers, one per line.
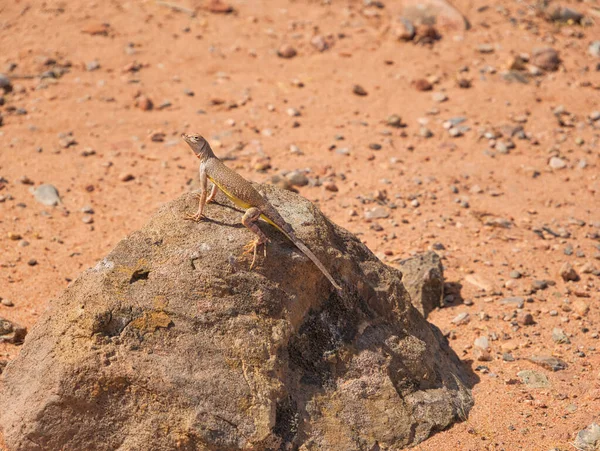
(423,278)
(170,342)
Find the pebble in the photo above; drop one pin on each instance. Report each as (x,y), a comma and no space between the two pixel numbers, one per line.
(546,59)
(533,379)
(32,262)
(297,178)
(481,355)
(405,31)
(482,342)
(92,66)
(188,92)
(47,195)
(126,177)
(286,51)
(548,362)
(319,43)
(526,319)
(568,273)
(144,103)
(359,90)
(13,236)
(375,146)
(377,213)
(557,163)
(425,132)
(580,307)
(595,115)
(439,97)
(515,274)
(394,121)
(559,337)
(461,319)
(588,439)
(5,83)
(485,48)
(594,49)
(293,112)
(422,85)
(87,219)
(7,303)
(330,186)
(23,243)
(516,301)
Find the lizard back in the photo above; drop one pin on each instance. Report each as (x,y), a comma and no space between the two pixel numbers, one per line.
(236,187)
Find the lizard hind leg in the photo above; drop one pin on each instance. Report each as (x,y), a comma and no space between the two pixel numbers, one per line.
(249,220)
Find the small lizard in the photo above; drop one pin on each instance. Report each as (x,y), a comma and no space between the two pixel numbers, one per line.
(243,194)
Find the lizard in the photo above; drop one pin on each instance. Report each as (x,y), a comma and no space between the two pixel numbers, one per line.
(244,195)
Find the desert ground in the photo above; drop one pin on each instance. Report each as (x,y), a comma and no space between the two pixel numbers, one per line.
(482,144)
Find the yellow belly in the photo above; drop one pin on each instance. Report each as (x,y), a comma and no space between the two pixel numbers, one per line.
(235,200)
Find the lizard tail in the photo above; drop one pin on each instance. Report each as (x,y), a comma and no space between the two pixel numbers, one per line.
(300,245)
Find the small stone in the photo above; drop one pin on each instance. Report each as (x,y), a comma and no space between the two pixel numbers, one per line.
(425,132)
(7,303)
(394,121)
(461,319)
(218,7)
(375,146)
(295,150)
(481,355)
(516,301)
(559,337)
(25,180)
(588,439)
(415,203)
(144,103)
(297,178)
(580,307)
(126,177)
(359,90)
(485,48)
(422,85)
(92,66)
(319,43)
(330,186)
(508,357)
(87,219)
(557,163)
(377,213)
(286,51)
(566,15)
(537,285)
(594,49)
(515,274)
(5,83)
(526,319)
(188,92)
(47,195)
(546,59)
(405,30)
(439,97)
(568,273)
(595,115)
(23,243)
(482,342)
(293,112)
(32,262)
(548,362)
(533,379)
(13,236)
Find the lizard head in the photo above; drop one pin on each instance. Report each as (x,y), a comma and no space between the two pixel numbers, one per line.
(198,144)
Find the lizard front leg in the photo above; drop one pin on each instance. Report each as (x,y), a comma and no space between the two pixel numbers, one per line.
(213,193)
(249,220)
(201,196)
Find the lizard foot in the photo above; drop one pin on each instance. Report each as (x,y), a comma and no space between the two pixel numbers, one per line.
(252,247)
(196,217)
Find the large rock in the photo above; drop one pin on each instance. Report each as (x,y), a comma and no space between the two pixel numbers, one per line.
(170,342)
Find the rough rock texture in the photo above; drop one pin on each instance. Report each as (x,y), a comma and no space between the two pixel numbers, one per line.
(171,343)
(423,278)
